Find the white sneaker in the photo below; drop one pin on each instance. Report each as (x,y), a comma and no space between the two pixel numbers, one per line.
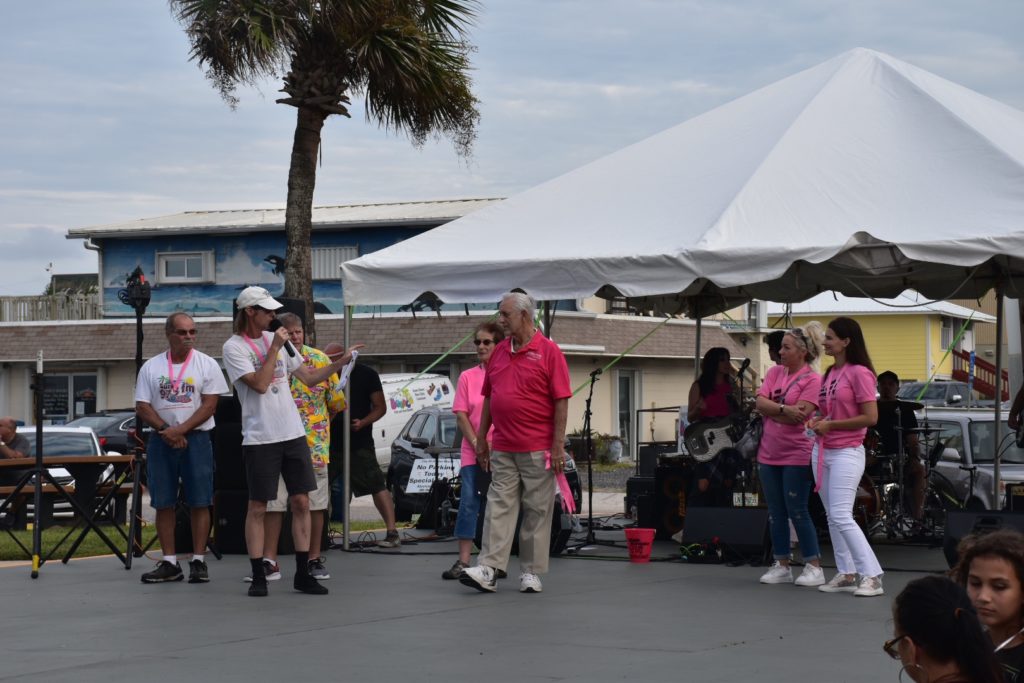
(480,577)
(840,583)
(529,583)
(272,570)
(869,587)
(810,576)
(778,574)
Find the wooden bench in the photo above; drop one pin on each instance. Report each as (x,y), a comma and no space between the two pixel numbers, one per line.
(50,495)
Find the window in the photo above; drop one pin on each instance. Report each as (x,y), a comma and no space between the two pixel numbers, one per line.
(66,397)
(180,266)
(327,259)
(947,332)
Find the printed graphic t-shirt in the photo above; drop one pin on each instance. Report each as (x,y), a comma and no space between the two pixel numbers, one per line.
(177,398)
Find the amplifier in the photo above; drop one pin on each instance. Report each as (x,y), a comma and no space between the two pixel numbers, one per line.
(1015,497)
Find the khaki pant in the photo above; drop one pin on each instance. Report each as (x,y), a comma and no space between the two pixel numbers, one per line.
(518,479)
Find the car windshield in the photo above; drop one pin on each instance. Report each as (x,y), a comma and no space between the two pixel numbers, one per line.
(92,421)
(982,434)
(909,392)
(63,443)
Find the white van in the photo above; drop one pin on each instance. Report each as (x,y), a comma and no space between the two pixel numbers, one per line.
(404,394)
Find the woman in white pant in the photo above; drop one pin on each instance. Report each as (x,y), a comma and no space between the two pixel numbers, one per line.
(847,408)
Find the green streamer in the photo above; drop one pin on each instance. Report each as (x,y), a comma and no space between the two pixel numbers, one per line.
(949,349)
(620,356)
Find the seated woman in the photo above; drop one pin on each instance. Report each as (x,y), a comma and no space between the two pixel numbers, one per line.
(713,396)
(937,635)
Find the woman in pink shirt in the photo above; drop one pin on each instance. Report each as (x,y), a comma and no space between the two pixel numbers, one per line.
(847,408)
(786,399)
(468,405)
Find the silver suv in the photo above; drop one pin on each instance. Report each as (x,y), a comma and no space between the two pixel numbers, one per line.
(938,393)
(965,440)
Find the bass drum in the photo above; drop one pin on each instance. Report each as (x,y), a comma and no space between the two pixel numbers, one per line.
(866,506)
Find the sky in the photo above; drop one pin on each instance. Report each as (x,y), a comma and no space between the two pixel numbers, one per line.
(105,119)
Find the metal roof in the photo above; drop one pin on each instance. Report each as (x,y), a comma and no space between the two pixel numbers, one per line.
(907,303)
(348,216)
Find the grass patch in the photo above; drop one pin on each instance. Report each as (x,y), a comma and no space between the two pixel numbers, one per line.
(92,546)
(609,467)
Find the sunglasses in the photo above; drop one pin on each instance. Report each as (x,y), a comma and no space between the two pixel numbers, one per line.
(485,342)
(889,646)
(183,333)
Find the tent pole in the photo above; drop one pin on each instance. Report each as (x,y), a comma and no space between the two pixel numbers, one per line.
(346,430)
(696,353)
(998,397)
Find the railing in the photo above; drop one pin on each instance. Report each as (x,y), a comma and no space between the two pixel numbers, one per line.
(984,374)
(63,306)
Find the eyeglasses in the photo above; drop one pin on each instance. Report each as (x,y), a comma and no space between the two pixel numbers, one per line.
(183,333)
(889,646)
(485,342)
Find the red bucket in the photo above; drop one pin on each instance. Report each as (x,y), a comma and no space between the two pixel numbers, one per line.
(639,542)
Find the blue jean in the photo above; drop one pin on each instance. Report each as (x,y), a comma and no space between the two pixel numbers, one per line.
(193,465)
(469,502)
(786,490)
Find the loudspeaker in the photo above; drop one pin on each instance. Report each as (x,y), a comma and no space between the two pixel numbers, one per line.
(962,523)
(671,485)
(229,467)
(647,455)
(636,487)
(645,516)
(741,532)
(229,511)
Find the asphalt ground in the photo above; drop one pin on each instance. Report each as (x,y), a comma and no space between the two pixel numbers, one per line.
(390,617)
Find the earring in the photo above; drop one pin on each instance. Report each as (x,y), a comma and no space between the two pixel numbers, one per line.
(911,676)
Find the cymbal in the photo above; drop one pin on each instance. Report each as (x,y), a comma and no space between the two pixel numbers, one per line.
(904,405)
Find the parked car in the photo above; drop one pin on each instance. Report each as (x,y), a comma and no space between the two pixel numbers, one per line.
(965,439)
(63,440)
(436,429)
(938,393)
(112,428)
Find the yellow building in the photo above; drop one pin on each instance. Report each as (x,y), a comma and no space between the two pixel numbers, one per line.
(909,335)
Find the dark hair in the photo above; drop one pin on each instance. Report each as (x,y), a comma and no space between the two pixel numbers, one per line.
(774,340)
(856,350)
(937,615)
(493,328)
(1007,544)
(709,369)
(888,375)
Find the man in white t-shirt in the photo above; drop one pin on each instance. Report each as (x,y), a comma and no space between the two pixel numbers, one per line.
(274,446)
(176,394)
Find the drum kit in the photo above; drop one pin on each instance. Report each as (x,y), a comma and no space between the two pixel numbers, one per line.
(883,502)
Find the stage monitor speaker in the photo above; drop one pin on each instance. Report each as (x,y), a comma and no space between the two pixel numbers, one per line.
(636,487)
(229,511)
(962,523)
(741,532)
(671,487)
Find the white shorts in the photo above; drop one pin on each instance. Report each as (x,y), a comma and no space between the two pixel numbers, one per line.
(318,499)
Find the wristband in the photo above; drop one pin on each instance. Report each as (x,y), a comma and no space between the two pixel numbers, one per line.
(781,409)
(163,427)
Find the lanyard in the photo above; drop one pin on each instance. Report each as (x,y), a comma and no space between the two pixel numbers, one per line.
(830,399)
(262,355)
(175,383)
(1008,640)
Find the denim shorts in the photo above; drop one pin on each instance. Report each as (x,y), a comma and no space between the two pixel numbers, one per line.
(193,465)
(469,502)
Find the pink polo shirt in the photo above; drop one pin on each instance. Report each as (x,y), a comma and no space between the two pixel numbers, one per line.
(469,399)
(842,392)
(523,387)
(785,444)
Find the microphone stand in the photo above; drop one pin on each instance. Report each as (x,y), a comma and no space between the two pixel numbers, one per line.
(588,447)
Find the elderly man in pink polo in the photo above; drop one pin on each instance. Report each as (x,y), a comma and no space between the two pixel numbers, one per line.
(526,397)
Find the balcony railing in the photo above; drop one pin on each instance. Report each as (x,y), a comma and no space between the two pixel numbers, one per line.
(63,306)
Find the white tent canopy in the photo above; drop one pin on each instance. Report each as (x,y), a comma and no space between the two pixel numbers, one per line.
(864,175)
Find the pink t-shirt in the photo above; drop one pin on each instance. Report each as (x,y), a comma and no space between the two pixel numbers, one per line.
(842,392)
(469,399)
(785,444)
(523,387)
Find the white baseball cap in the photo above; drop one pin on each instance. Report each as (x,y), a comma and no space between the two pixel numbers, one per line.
(257,296)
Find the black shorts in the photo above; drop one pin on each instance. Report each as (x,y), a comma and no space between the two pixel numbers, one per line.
(265,463)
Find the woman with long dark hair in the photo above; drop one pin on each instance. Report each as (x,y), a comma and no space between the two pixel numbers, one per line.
(937,635)
(991,568)
(846,408)
(786,399)
(712,396)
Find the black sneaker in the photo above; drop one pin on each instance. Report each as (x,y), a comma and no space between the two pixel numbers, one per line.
(307,584)
(258,589)
(453,573)
(197,572)
(163,572)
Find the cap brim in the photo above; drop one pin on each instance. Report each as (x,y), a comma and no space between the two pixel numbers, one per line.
(270,304)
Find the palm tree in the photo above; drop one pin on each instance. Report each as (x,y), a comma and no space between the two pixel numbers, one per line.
(408,59)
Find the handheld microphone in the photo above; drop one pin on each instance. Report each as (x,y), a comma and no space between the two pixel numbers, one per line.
(273,327)
(744,365)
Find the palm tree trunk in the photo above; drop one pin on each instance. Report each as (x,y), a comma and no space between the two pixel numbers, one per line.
(298,217)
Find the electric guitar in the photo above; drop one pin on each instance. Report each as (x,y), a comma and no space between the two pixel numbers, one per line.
(707,438)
